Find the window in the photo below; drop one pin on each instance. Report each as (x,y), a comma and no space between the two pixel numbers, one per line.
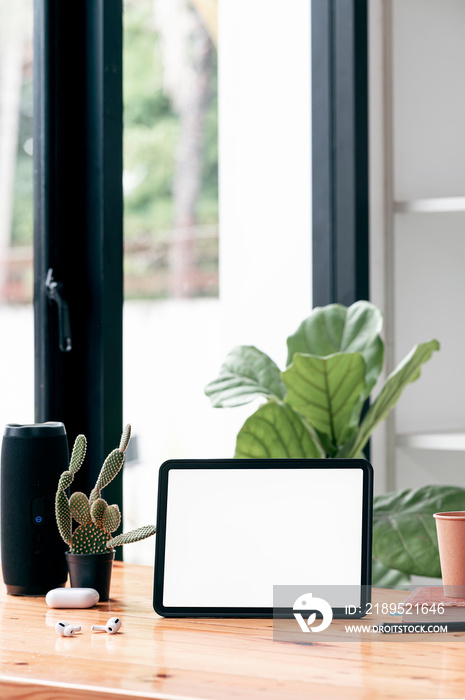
(16,213)
(197,284)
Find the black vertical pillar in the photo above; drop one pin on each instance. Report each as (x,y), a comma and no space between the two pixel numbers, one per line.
(340,151)
(78,222)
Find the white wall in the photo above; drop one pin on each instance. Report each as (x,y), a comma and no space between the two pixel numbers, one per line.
(429,98)
(429,249)
(417,113)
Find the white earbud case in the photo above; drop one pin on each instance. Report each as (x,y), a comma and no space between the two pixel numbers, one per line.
(72,598)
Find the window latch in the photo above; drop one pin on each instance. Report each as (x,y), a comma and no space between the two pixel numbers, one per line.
(54,294)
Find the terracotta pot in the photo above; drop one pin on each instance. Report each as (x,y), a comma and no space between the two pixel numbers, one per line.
(91,571)
(451,539)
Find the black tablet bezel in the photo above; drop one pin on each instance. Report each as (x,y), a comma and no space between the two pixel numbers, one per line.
(234,612)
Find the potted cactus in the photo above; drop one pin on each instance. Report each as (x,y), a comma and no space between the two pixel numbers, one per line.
(91,545)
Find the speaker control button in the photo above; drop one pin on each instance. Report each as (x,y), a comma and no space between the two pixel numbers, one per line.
(38,510)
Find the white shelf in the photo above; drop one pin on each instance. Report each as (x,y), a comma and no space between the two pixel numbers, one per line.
(453,440)
(431,206)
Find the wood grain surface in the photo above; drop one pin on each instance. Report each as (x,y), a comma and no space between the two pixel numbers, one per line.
(171,659)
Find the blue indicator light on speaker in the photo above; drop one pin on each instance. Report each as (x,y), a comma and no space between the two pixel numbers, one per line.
(38,518)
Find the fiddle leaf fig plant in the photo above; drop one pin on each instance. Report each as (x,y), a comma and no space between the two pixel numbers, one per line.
(313,408)
(96,519)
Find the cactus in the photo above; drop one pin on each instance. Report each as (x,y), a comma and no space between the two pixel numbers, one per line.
(96,519)
(125,437)
(134,536)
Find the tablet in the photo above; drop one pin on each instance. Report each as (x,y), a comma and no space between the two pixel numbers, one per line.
(229,531)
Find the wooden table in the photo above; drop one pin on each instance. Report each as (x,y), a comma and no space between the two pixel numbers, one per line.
(161,658)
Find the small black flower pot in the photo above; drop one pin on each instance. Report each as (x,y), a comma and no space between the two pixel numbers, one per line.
(91,571)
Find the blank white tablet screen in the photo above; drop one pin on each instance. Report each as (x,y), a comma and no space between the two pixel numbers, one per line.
(231,534)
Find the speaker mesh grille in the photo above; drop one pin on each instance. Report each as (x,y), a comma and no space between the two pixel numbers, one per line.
(32,549)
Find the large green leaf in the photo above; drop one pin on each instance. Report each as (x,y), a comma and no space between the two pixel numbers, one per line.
(247,373)
(407,371)
(382,577)
(336,328)
(275,431)
(328,392)
(404,530)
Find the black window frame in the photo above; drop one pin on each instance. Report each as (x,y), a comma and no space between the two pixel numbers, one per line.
(340,142)
(78,223)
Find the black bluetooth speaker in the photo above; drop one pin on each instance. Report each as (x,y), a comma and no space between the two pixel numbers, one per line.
(33,553)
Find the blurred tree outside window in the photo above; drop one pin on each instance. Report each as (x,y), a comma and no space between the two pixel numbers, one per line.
(170,174)
(171,155)
(16,212)
(16,147)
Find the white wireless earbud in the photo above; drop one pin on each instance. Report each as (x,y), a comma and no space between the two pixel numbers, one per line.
(112,626)
(64,629)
